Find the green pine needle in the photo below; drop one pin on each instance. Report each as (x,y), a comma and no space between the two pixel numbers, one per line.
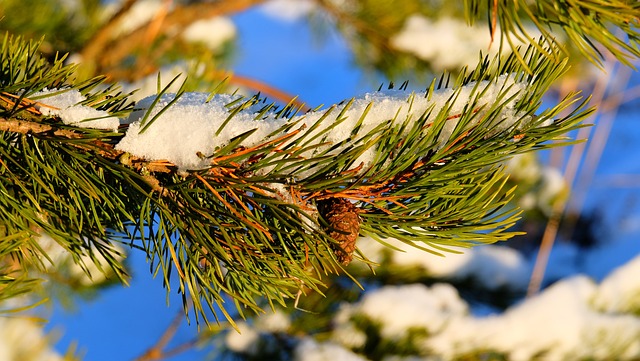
(247,228)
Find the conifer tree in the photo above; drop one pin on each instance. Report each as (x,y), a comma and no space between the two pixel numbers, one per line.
(273,201)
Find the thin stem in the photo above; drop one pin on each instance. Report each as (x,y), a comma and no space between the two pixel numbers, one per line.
(157,352)
(101,38)
(268,90)
(548,239)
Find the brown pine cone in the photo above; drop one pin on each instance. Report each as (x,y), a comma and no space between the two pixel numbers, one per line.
(344,226)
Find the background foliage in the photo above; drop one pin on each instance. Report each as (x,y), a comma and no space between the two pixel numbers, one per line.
(87,33)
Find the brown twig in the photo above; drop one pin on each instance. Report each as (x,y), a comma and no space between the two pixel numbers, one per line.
(31,125)
(101,38)
(158,352)
(178,18)
(28,127)
(156,23)
(231,208)
(26,104)
(268,90)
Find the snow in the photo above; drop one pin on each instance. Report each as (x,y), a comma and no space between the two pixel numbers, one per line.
(400,308)
(244,341)
(447,43)
(558,323)
(491,266)
(22,338)
(590,312)
(212,32)
(311,350)
(620,291)
(65,104)
(288,10)
(495,266)
(188,128)
(574,318)
(561,322)
(276,321)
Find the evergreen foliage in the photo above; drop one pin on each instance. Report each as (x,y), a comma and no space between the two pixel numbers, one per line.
(437,180)
(224,229)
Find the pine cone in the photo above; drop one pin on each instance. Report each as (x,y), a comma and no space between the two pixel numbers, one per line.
(344,226)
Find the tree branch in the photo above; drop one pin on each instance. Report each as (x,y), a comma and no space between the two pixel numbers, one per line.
(268,90)
(157,352)
(99,147)
(101,38)
(178,18)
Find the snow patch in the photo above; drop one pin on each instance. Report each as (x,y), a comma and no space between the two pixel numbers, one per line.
(619,292)
(490,266)
(448,43)
(288,10)
(212,32)
(311,350)
(187,129)
(21,338)
(65,104)
(572,319)
(244,341)
(400,308)
(276,321)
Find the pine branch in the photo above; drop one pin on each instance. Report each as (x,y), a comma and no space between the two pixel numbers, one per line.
(585,27)
(588,24)
(433,189)
(279,199)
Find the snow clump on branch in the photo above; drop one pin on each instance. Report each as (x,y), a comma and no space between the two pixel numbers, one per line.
(67,105)
(186,129)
